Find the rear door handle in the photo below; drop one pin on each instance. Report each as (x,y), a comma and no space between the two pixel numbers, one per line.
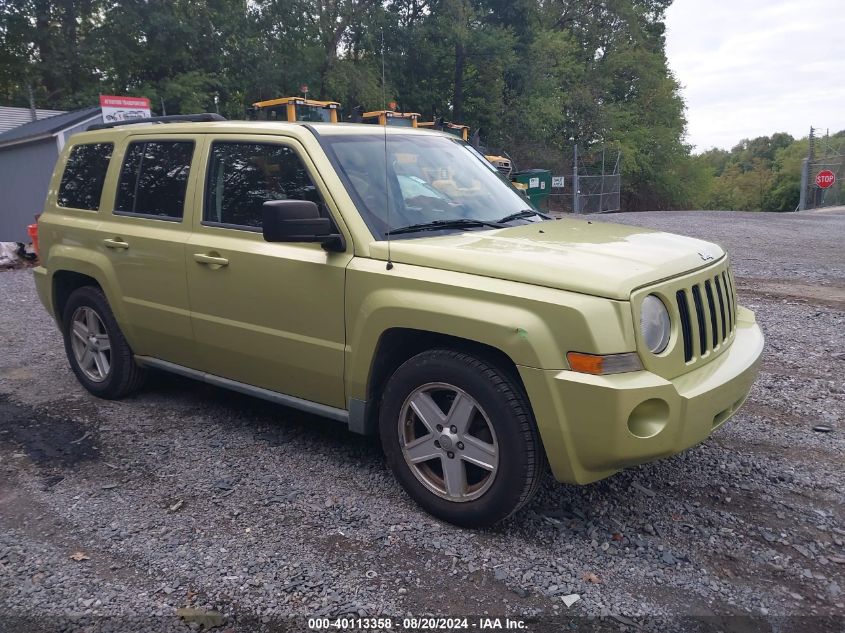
(202,258)
(115,243)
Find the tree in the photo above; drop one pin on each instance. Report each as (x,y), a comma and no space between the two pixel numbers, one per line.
(759,174)
(533,77)
(50,48)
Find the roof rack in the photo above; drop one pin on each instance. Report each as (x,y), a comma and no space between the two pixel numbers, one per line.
(205,117)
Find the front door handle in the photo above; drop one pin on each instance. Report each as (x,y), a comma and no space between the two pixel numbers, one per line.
(115,243)
(212,260)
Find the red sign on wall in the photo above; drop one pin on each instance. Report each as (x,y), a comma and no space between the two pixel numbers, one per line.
(116,108)
(124,102)
(825,179)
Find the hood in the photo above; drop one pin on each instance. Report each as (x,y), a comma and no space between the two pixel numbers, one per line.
(596,258)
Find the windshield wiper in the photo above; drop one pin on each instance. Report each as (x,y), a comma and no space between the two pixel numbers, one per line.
(460,223)
(525,213)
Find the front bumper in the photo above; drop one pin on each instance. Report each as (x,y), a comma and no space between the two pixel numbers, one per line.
(593,426)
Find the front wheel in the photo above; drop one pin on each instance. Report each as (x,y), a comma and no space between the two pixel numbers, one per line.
(460,437)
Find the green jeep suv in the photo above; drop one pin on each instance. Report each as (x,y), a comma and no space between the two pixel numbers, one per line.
(391,279)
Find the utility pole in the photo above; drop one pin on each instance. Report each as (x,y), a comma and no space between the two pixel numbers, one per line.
(601,195)
(812,150)
(32,113)
(805,183)
(811,156)
(575,209)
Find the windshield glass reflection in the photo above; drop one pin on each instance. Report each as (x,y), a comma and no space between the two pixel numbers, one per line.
(405,180)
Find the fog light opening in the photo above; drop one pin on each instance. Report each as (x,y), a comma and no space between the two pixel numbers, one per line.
(648,418)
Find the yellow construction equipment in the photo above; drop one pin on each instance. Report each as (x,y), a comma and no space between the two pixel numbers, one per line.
(302,109)
(389,117)
(502,163)
(295,109)
(456,129)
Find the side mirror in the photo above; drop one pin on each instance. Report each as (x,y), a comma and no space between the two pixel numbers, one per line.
(298,221)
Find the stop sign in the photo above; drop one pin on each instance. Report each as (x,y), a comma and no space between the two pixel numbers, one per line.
(825,179)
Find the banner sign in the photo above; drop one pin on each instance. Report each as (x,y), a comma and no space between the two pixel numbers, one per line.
(124,108)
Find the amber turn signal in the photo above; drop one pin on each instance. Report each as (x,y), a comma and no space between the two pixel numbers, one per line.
(604,364)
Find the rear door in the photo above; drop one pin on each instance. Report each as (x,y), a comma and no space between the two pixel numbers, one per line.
(269,315)
(145,224)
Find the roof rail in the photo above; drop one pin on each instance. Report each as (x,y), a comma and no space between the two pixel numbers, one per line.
(205,117)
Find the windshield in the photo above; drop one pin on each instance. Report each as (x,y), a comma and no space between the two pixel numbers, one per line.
(316,114)
(400,121)
(425,179)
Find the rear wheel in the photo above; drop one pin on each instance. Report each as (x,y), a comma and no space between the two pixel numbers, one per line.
(96,348)
(460,438)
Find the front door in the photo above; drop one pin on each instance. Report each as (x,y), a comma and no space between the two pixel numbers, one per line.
(267,314)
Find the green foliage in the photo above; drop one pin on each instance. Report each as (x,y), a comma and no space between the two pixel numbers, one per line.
(533,77)
(356,81)
(760,174)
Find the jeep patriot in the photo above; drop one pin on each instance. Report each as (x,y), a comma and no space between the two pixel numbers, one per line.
(391,279)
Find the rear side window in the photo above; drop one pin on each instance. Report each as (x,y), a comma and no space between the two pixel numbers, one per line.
(243,176)
(85,172)
(154,178)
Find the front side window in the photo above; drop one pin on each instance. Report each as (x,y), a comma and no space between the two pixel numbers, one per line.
(84,175)
(397,180)
(243,176)
(154,179)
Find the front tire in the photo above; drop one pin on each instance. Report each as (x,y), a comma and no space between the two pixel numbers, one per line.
(460,437)
(96,348)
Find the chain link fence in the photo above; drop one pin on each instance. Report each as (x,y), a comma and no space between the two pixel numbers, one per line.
(595,186)
(582,182)
(599,194)
(816,196)
(822,173)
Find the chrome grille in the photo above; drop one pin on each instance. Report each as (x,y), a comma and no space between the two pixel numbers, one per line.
(706,310)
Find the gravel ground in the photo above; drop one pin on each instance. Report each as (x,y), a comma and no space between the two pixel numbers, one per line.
(191,496)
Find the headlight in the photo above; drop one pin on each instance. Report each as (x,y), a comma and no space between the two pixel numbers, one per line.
(655,325)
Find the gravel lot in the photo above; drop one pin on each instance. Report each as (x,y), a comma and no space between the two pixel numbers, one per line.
(190,496)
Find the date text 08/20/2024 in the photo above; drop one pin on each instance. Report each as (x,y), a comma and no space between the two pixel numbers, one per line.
(414,624)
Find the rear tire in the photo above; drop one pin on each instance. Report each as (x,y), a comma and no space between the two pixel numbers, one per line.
(96,348)
(460,437)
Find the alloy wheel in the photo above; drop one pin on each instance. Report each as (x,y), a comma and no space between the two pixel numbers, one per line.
(448,442)
(91,344)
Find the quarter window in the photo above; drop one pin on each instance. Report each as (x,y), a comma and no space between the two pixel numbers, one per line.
(154,178)
(243,176)
(85,172)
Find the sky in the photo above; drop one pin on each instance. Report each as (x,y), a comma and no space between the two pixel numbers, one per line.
(755,67)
